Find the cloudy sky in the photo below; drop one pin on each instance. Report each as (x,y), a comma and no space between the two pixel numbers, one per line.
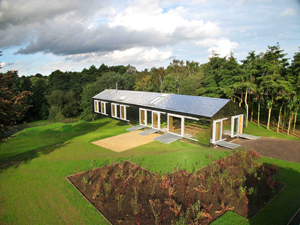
(43,36)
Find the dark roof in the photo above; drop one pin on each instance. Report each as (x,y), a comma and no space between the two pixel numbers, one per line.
(195,105)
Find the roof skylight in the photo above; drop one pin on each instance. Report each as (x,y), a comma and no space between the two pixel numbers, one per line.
(158,99)
(122,98)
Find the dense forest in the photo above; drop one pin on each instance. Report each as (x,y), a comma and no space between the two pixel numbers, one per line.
(267,85)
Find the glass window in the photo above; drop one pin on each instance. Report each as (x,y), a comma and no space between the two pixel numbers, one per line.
(96,106)
(155,120)
(103,107)
(143,117)
(158,99)
(114,110)
(123,112)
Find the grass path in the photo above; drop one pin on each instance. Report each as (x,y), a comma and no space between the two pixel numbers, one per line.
(33,188)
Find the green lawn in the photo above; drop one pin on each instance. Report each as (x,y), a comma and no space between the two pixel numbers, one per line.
(263,132)
(34,189)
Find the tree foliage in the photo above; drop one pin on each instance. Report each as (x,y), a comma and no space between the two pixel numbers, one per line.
(13,103)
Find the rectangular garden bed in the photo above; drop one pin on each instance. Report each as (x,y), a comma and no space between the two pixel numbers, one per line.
(125,193)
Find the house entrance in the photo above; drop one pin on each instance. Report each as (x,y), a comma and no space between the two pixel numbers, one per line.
(175,124)
(217,133)
(143,117)
(155,120)
(236,125)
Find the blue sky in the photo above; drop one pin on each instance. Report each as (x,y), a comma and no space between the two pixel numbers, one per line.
(43,36)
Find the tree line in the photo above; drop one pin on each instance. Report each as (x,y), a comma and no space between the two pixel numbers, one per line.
(266,84)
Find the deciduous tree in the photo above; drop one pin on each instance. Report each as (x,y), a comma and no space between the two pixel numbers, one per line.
(12,101)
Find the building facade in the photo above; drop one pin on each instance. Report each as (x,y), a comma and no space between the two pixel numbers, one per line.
(200,119)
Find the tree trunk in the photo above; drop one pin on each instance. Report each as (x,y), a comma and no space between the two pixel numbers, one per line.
(247,107)
(265,109)
(252,110)
(279,117)
(161,84)
(241,100)
(295,120)
(290,121)
(269,115)
(283,120)
(258,112)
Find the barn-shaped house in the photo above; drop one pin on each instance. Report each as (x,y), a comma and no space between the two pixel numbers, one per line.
(202,119)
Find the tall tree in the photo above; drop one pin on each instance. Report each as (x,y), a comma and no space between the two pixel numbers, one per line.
(295,80)
(143,81)
(191,84)
(213,71)
(86,103)
(250,72)
(158,77)
(273,77)
(71,106)
(170,83)
(179,71)
(12,101)
(56,102)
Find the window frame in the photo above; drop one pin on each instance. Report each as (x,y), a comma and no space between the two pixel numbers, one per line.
(125,112)
(103,111)
(96,110)
(116,110)
(182,124)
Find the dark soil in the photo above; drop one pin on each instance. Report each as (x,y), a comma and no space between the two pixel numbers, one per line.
(237,183)
(287,150)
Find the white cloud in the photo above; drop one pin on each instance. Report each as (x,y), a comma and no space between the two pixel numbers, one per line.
(286,33)
(206,42)
(140,58)
(198,2)
(222,46)
(288,12)
(139,24)
(147,15)
(129,56)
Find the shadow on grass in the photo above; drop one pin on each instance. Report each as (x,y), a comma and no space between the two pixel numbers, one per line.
(122,123)
(26,157)
(283,207)
(279,210)
(55,138)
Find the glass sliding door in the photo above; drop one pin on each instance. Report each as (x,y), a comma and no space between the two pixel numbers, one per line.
(149,118)
(236,126)
(155,122)
(175,124)
(240,124)
(218,132)
(143,117)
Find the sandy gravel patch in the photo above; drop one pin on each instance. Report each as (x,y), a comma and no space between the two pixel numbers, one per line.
(125,141)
